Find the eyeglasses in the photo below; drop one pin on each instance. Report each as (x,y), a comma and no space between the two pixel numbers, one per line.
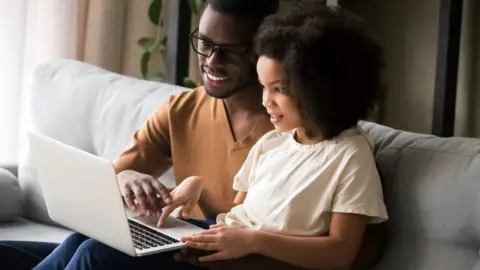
(207,48)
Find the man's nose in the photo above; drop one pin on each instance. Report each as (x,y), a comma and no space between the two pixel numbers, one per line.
(215,59)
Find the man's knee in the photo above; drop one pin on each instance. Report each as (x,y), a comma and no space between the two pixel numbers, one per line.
(92,254)
(76,238)
(87,256)
(91,246)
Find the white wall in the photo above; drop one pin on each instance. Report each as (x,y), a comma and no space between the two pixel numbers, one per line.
(407,30)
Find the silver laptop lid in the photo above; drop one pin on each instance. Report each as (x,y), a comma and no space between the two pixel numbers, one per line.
(81,192)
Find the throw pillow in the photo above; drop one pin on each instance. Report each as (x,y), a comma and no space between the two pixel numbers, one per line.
(11,196)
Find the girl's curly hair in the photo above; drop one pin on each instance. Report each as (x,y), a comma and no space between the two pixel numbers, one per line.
(332,63)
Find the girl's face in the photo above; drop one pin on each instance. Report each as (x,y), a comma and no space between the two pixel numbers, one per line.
(283,110)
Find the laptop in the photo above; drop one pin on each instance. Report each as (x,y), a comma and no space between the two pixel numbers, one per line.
(81,193)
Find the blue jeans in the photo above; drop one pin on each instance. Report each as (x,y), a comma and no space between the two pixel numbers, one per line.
(81,252)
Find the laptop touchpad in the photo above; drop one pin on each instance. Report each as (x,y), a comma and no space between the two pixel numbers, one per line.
(171,222)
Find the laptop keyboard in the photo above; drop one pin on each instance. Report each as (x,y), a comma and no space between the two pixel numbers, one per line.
(145,237)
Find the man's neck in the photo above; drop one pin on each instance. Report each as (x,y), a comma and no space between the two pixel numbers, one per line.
(243,111)
(247,102)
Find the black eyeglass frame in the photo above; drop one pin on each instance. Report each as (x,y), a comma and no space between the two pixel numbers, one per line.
(236,50)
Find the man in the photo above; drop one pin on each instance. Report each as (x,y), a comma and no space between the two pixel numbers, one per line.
(209,131)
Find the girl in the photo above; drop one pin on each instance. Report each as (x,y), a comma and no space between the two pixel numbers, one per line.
(308,188)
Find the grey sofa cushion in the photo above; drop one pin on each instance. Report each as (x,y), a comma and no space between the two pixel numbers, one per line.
(432,188)
(21,229)
(11,197)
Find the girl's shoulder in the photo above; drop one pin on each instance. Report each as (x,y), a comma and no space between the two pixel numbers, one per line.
(353,140)
(273,139)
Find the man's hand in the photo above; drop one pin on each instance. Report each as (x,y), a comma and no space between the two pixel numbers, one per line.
(186,195)
(140,192)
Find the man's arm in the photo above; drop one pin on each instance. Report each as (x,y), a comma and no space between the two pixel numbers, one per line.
(146,158)
(149,151)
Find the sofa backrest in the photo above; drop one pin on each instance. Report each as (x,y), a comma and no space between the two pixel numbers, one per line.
(432,191)
(89,108)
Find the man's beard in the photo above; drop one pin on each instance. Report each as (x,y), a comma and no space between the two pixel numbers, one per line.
(231,91)
(226,94)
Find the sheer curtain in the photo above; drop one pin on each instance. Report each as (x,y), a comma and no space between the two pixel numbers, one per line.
(12,25)
(100,32)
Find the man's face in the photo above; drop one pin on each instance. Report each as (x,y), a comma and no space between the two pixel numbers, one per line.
(228,68)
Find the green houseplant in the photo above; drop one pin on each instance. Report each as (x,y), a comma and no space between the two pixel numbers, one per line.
(156,46)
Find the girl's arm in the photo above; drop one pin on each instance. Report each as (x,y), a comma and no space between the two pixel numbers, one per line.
(241,195)
(337,250)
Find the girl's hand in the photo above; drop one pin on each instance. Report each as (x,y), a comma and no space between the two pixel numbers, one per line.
(229,242)
(186,195)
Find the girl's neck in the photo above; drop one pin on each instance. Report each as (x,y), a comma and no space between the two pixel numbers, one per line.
(301,137)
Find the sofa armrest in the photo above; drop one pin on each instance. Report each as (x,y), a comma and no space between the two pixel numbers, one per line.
(13,168)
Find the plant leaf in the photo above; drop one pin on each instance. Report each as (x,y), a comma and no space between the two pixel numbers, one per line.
(146,43)
(152,45)
(154,11)
(187,82)
(144,64)
(156,76)
(199,5)
(158,48)
(195,5)
(164,43)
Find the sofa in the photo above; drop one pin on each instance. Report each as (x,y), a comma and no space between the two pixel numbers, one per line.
(431,184)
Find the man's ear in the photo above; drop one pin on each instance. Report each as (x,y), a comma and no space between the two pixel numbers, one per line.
(253,58)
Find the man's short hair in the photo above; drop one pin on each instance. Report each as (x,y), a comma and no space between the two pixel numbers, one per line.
(256,10)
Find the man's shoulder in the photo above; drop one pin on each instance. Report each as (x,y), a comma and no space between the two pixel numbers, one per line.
(189,100)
